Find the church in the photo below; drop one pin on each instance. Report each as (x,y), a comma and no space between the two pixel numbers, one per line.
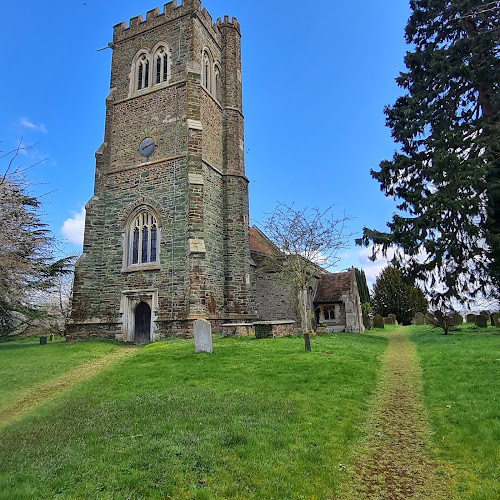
(167,230)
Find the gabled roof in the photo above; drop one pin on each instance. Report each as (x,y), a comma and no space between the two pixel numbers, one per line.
(331,287)
(260,243)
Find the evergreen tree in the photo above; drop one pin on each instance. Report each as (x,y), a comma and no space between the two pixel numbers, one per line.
(391,295)
(27,264)
(446,175)
(364,292)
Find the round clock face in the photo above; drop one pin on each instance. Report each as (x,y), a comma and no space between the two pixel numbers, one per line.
(147,146)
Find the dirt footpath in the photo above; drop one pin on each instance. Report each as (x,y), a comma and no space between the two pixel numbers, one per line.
(395,460)
(40,394)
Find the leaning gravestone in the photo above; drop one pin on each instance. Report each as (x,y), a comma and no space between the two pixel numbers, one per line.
(419,318)
(366,321)
(202,336)
(378,321)
(429,318)
(495,319)
(481,321)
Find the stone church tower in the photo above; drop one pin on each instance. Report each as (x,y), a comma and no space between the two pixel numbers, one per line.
(166,231)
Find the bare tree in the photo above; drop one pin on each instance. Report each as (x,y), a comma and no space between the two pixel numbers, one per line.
(309,240)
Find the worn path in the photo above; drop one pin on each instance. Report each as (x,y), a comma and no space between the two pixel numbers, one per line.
(395,461)
(40,394)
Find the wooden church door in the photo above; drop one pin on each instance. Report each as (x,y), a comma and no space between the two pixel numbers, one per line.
(142,323)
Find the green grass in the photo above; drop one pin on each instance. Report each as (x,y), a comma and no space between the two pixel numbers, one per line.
(25,363)
(259,418)
(461,374)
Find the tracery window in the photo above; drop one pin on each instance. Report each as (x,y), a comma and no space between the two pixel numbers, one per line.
(142,69)
(207,71)
(150,68)
(161,65)
(143,239)
(329,312)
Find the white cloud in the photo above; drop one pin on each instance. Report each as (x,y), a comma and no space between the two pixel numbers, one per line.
(25,122)
(73,227)
(373,269)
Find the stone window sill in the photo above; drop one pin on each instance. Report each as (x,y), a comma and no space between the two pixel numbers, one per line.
(150,266)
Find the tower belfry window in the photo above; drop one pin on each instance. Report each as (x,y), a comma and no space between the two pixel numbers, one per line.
(161,65)
(207,71)
(143,72)
(217,83)
(150,68)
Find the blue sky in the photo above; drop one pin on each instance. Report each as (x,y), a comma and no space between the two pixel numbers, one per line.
(316,76)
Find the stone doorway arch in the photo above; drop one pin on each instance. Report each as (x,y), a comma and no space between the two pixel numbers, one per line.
(142,323)
(130,301)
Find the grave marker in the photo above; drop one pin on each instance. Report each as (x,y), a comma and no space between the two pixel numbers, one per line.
(202,336)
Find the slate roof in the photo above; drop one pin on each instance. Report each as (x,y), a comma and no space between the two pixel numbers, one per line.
(332,286)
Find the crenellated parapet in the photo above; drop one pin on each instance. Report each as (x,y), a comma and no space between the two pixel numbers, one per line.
(227,23)
(155,18)
(172,11)
(206,19)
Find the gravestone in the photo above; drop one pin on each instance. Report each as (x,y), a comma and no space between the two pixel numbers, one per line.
(419,318)
(321,328)
(390,320)
(429,318)
(470,318)
(378,321)
(457,319)
(202,336)
(366,321)
(481,321)
(496,320)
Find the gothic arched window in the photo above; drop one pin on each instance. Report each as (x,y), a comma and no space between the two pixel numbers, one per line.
(142,239)
(217,83)
(207,71)
(142,72)
(161,63)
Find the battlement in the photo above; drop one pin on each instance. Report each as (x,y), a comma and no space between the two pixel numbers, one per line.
(226,23)
(154,17)
(171,10)
(208,18)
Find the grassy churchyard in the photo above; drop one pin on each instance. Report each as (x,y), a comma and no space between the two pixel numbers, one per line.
(258,418)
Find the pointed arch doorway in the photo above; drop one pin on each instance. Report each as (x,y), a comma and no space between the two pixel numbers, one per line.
(142,323)
(139,323)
